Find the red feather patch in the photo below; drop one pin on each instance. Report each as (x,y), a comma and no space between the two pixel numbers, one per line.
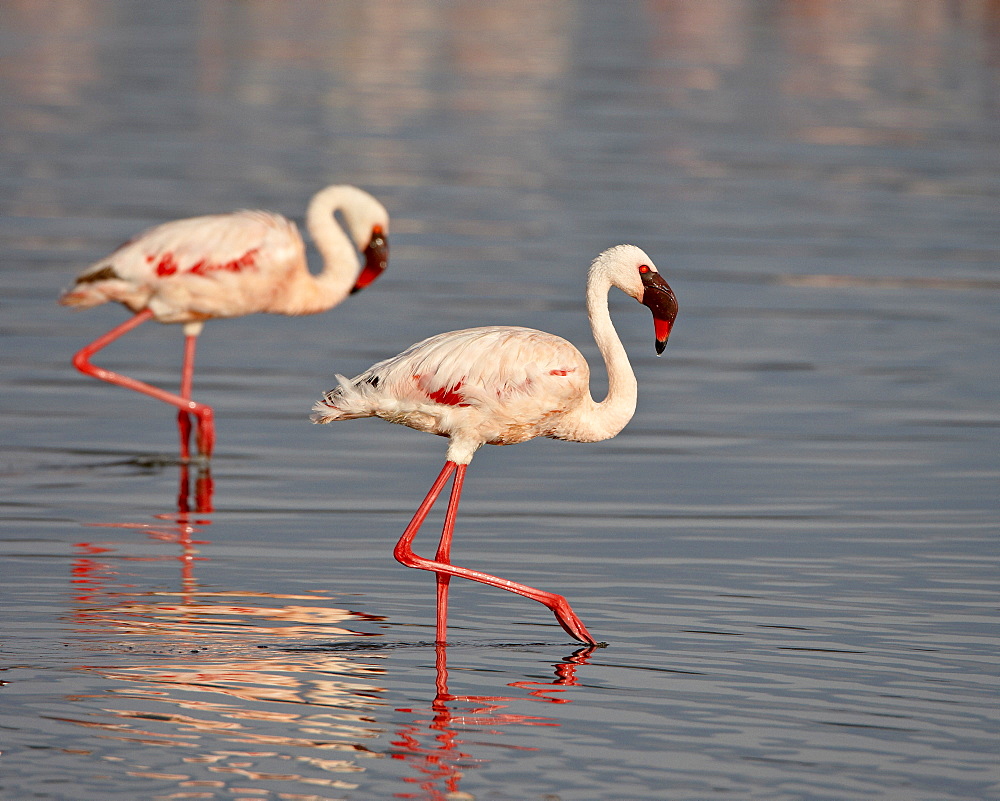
(448,396)
(167,265)
(248,259)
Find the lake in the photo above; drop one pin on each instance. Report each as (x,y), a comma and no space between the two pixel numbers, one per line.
(789,555)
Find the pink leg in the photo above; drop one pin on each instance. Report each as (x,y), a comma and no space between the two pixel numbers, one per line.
(404,553)
(187,380)
(402,549)
(444,553)
(183,419)
(206,426)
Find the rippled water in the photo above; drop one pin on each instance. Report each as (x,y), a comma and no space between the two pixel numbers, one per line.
(791,552)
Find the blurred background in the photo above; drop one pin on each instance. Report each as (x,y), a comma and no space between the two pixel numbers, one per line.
(791,550)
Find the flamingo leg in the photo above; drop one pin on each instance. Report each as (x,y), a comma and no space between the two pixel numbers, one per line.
(403,552)
(187,380)
(204,414)
(444,552)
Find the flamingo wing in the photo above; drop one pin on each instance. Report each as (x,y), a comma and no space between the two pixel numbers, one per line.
(178,262)
(496,378)
(493,366)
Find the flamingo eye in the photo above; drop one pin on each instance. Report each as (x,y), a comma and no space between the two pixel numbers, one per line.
(643,269)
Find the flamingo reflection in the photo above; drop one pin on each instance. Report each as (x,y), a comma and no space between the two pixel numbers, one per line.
(240,715)
(104,600)
(200,490)
(92,575)
(432,745)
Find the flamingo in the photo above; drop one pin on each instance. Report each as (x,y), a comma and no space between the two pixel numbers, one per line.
(228,265)
(502,385)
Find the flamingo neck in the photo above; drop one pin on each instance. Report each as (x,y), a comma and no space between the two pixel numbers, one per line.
(618,406)
(341,264)
(595,421)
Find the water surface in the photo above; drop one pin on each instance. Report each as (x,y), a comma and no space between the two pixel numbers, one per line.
(790,552)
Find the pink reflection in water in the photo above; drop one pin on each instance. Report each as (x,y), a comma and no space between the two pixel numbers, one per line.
(104,601)
(432,745)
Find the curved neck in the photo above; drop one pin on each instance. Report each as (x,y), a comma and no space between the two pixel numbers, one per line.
(341,264)
(592,421)
(617,408)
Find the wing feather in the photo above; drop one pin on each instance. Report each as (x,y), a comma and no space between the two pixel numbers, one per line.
(257,244)
(507,374)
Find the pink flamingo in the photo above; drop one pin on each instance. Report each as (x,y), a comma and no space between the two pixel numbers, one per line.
(228,265)
(501,385)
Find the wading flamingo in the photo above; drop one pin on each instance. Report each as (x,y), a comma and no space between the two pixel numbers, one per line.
(501,385)
(228,265)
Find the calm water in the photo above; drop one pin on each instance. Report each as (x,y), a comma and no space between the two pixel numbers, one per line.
(791,551)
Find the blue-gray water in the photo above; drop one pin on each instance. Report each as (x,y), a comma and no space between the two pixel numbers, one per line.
(791,551)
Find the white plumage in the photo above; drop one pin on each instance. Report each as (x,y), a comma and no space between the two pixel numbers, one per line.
(502,385)
(245,262)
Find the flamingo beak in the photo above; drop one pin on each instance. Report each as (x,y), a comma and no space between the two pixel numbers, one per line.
(659,298)
(376,259)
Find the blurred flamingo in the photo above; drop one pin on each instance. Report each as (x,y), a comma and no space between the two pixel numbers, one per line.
(228,265)
(501,385)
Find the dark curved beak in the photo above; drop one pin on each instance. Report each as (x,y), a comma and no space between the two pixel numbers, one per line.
(659,298)
(376,257)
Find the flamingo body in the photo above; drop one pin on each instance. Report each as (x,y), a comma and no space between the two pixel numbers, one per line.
(245,262)
(495,385)
(501,385)
(229,265)
(222,265)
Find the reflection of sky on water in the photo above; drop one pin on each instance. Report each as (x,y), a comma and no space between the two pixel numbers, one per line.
(254,720)
(282,721)
(286,720)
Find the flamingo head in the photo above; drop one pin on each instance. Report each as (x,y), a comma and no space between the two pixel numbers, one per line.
(376,258)
(632,271)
